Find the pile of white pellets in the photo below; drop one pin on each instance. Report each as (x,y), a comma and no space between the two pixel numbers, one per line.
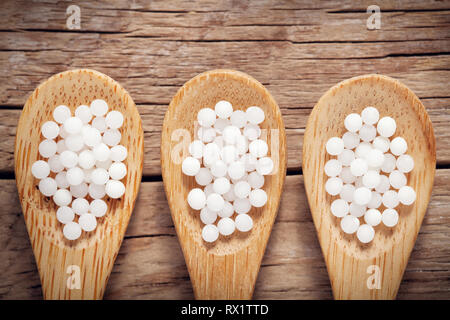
(83,161)
(229,161)
(368,174)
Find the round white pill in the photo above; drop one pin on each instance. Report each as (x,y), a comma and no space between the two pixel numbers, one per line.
(238,119)
(96,191)
(230,134)
(406,195)
(223,109)
(358,167)
(363,150)
(371,179)
(229,196)
(99,107)
(375,158)
(397,179)
(236,170)
(114,119)
(210,233)
(346,157)
(227,210)
(112,137)
(74,142)
(118,171)
(339,208)
(353,122)
(384,184)
(55,164)
(398,146)
(61,146)
(65,214)
(243,222)
(206,117)
(221,185)
(61,113)
(219,169)
(347,176)
(351,140)
(242,189)
(62,197)
(40,169)
(118,153)
(50,130)
(61,180)
(365,233)
(255,115)
(99,123)
(72,231)
(226,226)
(91,136)
(75,176)
(211,154)
(73,125)
(79,190)
(405,163)
(258,198)
(47,148)
(255,180)
(389,217)
(381,143)
(375,201)
(264,166)
(99,176)
(258,148)
(114,189)
(388,163)
(98,207)
(367,133)
(83,112)
(347,192)
(242,205)
(80,206)
(220,124)
(86,159)
(356,210)
(333,186)
(87,222)
(349,224)
(362,196)
(229,154)
(334,146)
(372,217)
(370,115)
(333,168)
(101,152)
(196,149)
(252,131)
(207,216)
(48,187)
(390,199)
(386,127)
(249,162)
(215,202)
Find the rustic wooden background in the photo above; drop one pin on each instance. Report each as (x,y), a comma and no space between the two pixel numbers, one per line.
(297,49)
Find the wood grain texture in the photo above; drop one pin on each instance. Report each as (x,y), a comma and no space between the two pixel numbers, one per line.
(347,259)
(150,263)
(227,268)
(93,253)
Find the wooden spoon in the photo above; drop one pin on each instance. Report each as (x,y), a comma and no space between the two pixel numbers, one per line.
(374,270)
(226,269)
(89,259)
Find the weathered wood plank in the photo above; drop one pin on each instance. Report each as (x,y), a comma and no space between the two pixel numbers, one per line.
(150,264)
(294,119)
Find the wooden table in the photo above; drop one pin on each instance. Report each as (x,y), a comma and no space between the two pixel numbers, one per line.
(297,49)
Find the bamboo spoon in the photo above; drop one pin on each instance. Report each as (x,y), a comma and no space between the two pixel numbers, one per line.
(375,270)
(228,268)
(62,264)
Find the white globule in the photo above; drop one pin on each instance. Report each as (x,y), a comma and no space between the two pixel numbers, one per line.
(366,172)
(80,164)
(229,161)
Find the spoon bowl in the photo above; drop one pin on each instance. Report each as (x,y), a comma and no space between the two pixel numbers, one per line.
(227,268)
(75,269)
(374,270)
